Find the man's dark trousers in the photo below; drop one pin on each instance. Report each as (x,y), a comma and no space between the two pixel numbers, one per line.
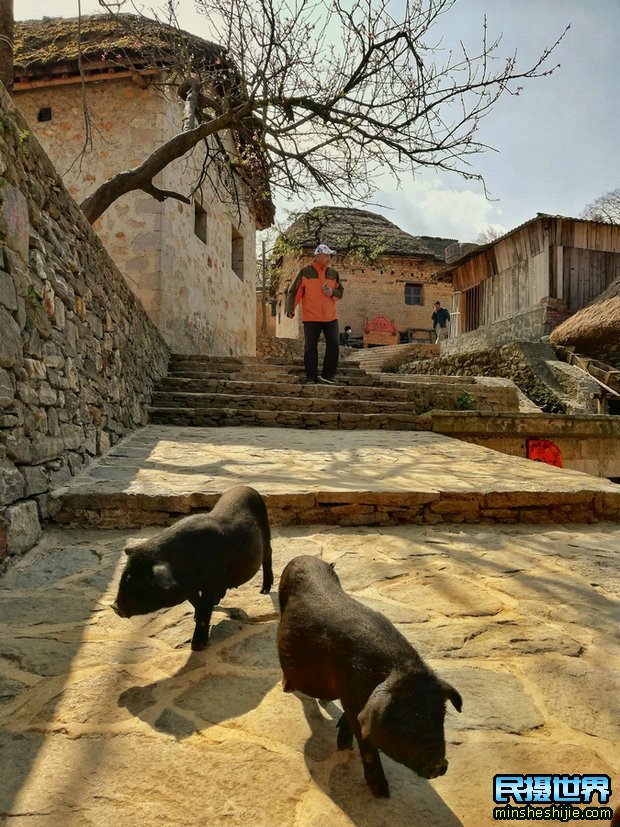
(312,332)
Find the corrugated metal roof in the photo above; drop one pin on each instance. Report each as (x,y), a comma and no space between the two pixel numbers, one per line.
(449,268)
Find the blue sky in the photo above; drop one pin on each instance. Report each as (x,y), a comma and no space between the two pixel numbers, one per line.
(557,142)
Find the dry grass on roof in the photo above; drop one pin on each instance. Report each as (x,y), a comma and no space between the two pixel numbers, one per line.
(598,322)
(352,230)
(40,45)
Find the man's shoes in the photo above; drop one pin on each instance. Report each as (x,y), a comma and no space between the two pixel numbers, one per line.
(324,381)
(313,381)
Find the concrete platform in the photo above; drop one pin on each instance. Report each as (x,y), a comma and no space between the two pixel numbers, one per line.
(107,721)
(335,477)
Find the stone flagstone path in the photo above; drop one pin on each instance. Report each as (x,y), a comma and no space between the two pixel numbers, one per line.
(105,721)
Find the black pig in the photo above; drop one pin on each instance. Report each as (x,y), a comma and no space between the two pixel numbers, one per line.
(198,559)
(330,646)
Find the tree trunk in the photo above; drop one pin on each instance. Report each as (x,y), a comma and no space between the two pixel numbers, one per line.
(6,44)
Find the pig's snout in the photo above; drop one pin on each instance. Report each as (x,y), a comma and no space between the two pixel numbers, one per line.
(115,607)
(435,769)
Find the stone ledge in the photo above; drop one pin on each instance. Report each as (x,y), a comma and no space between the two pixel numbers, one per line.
(349,508)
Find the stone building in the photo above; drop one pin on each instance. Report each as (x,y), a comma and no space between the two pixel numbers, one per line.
(385,271)
(191,265)
(522,285)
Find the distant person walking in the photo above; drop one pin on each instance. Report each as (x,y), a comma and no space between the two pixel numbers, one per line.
(318,288)
(440,318)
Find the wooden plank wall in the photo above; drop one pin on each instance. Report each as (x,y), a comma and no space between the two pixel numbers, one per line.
(558,257)
(586,273)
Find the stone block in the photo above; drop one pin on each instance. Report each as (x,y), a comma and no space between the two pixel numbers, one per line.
(12,485)
(72,436)
(14,222)
(36,479)
(7,389)
(8,295)
(47,395)
(11,346)
(23,527)
(46,448)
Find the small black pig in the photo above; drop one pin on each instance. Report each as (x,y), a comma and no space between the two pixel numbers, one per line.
(330,646)
(198,559)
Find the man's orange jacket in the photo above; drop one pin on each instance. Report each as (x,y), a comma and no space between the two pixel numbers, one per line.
(308,289)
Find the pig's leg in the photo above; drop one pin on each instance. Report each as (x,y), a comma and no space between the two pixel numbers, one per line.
(373,769)
(203,605)
(267,571)
(345,736)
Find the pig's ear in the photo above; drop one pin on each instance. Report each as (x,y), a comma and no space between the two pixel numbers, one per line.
(132,545)
(450,694)
(371,715)
(163,575)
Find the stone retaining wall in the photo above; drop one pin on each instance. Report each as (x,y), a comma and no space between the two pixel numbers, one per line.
(512,361)
(78,355)
(590,444)
(529,326)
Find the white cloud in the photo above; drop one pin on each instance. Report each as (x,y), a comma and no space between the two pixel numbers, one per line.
(431,208)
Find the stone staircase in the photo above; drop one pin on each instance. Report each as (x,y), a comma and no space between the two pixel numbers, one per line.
(271,392)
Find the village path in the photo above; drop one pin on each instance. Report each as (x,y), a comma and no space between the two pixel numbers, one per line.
(105,720)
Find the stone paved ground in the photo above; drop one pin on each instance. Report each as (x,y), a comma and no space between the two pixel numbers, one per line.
(104,720)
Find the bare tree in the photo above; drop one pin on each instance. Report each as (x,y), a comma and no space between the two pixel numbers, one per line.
(328,95)
(488,235)
(605,208)
(6,44)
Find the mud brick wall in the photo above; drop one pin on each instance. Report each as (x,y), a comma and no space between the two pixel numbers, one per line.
(78,354)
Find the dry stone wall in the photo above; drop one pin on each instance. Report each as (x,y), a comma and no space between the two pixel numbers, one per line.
(78,354)
(516,361)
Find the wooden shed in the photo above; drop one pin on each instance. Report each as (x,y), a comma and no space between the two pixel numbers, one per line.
(538,274)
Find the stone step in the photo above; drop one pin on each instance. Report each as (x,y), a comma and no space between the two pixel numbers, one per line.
(251,363)
(380,477)
(275,402)
(358,379)
(265,418)
(377,391)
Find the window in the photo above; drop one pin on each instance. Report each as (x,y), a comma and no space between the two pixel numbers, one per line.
(44,114)
(200,222)
(236,252)
(413,293)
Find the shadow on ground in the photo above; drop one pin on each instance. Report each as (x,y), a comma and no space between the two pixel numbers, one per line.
(341,777)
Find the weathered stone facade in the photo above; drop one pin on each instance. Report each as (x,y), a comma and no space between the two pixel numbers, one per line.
(177,259)
(372,290)
(78,354)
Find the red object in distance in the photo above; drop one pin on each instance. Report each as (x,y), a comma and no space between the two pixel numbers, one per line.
(543,450)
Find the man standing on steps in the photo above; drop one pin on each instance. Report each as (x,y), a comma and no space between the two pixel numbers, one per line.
(318,287)
(440,319)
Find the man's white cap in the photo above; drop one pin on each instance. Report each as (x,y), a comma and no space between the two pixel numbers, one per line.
(323,248)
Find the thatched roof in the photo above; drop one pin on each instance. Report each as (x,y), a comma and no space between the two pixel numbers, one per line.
(40,46)
(596,326)
(362,233)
